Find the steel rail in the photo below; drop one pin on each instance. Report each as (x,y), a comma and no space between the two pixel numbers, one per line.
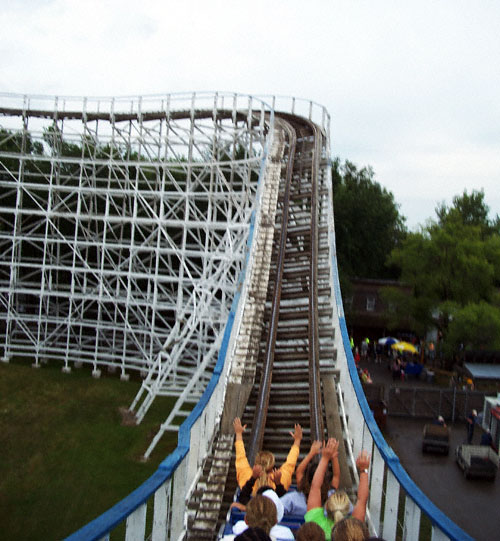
(315,403)
(260,415)
(296,129)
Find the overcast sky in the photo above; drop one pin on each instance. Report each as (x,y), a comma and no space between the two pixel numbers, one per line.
(413,87)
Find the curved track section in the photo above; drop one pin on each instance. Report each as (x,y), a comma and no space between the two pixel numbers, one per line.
(190,238)
(297,341)
(295,252)
(123,229)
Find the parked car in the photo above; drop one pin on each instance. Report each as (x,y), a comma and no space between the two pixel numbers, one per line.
(436,438)
(477,461)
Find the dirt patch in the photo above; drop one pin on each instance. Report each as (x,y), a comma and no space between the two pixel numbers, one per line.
(127,417)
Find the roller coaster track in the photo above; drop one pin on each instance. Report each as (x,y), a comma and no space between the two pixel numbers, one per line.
(296,252)
(284,353)
(297,340)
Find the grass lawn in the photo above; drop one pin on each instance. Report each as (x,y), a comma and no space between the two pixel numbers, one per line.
(65,456)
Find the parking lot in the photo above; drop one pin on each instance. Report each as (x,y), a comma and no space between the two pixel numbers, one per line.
(471,504)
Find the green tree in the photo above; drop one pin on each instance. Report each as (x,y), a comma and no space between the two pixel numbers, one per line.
(412,307)
(452,267)
(368,225)
(474,326)
(17,142)
(469,209)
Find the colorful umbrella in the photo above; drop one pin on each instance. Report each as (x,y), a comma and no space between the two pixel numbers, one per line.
(387,341)
(404,346)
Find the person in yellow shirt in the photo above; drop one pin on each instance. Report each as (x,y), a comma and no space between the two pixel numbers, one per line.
(266,460)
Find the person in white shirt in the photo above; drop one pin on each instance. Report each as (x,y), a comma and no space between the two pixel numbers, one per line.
(265,511)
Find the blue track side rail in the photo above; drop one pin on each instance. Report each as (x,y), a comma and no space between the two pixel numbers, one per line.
(101,527)
(415,496)
(105,523)
(436,516)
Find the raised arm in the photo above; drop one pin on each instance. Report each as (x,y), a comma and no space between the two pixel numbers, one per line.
(288,467)
(238,429)
(301,468)
(296,435)
(363,464)
(276,477)
(327,452)
(243,468)
(336,468)
(246,491)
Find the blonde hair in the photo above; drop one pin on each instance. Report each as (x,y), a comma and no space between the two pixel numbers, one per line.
(338,505)
(350,529)
(261,513)
(266,460)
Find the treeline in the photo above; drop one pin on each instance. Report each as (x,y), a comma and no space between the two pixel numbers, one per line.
(451,265)
(85,161)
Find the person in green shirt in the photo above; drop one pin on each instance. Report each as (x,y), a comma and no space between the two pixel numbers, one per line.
(338,504)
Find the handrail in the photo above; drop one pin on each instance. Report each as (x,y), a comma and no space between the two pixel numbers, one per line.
(315,405)
(102,525)
(132,103)
(436,516)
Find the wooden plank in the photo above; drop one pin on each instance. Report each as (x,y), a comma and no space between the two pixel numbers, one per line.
(136,524)
(160,513)
(391,507)
(376,489)
(411,528)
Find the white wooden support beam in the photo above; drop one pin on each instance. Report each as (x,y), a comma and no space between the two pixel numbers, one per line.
(136,524)
(391,507)
(376,488)
(160,513)
(411,527)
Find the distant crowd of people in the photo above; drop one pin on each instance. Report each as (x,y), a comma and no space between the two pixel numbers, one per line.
(326,509)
